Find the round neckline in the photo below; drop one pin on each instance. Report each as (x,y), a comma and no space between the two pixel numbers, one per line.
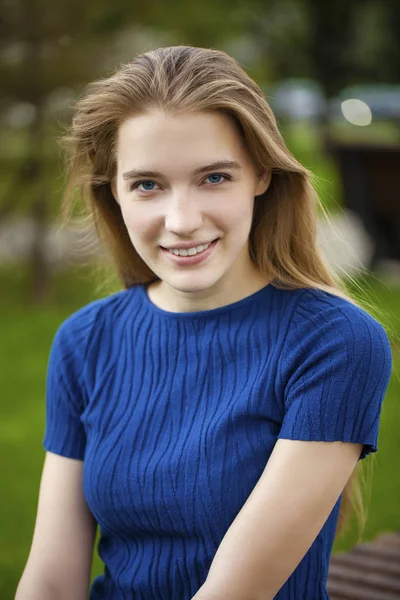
(211,312)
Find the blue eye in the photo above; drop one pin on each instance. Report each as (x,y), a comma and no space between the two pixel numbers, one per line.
(218,176)
(145,185)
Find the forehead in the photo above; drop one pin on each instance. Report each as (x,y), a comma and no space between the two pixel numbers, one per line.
(157,138)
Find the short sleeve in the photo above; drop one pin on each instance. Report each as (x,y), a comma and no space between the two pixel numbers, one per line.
(338,363)
(64,432)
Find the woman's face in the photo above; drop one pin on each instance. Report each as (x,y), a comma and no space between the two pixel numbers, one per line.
(186,185)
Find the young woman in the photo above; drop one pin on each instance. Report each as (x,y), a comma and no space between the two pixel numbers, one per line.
(210,416)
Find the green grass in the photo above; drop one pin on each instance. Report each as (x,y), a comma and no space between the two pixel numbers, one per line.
(26,335)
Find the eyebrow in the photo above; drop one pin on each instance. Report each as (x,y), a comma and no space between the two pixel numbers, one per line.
(221,164)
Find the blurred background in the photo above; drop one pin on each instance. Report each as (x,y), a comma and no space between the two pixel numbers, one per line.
(330,70)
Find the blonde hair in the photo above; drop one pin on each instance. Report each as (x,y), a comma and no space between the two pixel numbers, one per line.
(182,78)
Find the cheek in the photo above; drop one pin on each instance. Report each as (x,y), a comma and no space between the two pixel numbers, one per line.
(236,213)
(140,222)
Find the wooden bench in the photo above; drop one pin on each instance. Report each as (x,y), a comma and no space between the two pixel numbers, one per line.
(368,572)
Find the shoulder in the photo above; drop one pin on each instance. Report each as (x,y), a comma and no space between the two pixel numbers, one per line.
(327,327)
(336,366)
(75,332)
(320,312)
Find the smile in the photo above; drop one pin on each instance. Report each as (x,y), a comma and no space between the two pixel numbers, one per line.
(189,251)
(192,255)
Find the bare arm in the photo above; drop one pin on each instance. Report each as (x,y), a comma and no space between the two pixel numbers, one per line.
(60,559)
(283,515)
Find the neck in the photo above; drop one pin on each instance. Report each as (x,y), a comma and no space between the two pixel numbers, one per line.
(174,300)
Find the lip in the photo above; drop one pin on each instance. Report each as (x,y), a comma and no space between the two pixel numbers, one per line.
(190,260)
(187,245)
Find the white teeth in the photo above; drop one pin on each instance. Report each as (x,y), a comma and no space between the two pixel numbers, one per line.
(189,251)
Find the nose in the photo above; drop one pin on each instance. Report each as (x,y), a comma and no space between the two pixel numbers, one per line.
(183,216)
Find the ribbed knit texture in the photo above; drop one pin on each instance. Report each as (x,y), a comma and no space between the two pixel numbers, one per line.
(176,414)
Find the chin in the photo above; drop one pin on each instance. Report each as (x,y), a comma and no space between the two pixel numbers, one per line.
(191,284)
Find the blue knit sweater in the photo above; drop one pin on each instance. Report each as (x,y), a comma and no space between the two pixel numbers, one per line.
(176,414)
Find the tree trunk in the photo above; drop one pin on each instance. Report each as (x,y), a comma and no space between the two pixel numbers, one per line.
(38,261)
(39,267)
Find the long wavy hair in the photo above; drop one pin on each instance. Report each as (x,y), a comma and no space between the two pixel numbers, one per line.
(282,238)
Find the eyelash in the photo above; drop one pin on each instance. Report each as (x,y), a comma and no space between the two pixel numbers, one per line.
(135,185)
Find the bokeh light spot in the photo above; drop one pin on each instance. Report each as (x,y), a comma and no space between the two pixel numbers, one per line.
(356,112)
